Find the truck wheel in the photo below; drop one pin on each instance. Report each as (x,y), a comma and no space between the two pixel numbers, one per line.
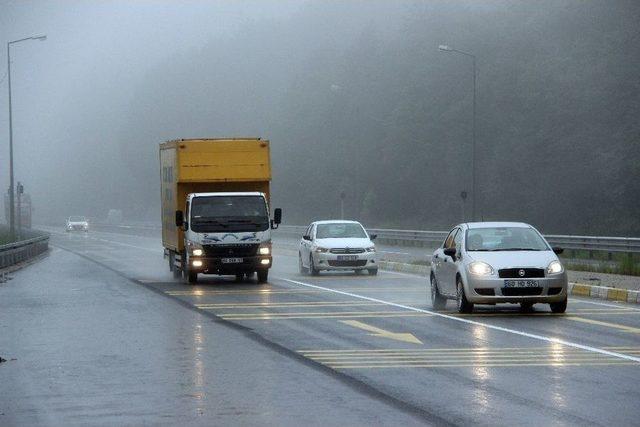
(263,276)
(172,265)
(192,277)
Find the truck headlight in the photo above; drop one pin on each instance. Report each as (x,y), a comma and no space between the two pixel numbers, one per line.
(555,267)
(479,268)
(197,252)
(264,250)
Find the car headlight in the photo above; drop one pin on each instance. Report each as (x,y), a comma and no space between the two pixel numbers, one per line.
(264,250)
(321,250)
(480,268)
(555,267)
(371,249)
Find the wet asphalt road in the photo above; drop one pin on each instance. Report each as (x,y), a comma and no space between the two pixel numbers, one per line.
(123,342)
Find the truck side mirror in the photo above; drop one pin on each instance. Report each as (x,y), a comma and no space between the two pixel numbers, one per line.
(179,219)
(277,218)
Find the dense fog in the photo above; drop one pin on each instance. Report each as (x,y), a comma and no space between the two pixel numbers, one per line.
(354,96)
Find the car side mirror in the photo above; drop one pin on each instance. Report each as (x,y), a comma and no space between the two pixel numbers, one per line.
(373,236)
(557,250)
(450,252)
(306,237)
(179,218)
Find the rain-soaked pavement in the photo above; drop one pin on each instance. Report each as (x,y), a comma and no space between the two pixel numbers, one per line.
(103,334)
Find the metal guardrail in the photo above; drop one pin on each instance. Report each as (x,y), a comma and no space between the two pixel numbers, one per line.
(435,238)
(13,253)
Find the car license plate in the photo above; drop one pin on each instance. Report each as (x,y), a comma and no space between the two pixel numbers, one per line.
(231,260)
(521,284)
(347,257)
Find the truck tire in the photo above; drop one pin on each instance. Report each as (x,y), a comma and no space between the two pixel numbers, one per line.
(263,276)
(192,277)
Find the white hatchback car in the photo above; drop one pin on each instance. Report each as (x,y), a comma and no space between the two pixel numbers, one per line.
(497,262)
(337,245)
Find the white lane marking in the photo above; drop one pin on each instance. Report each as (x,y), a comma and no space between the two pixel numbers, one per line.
(393,252)
(473,322)
(621,305)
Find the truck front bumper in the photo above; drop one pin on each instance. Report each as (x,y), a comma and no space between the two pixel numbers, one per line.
(230,266)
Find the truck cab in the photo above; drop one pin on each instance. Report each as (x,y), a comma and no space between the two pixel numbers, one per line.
(227,233)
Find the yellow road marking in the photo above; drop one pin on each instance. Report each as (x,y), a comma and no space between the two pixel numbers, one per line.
(378,332)
(605,324)
(197,292)
(461,349)
(490,365)
(270,316)
(287,304)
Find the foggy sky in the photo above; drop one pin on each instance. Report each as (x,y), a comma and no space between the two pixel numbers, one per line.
(328,83)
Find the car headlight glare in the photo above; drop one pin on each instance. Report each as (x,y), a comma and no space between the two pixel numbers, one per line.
(555,268)
(480,268)
(321,250)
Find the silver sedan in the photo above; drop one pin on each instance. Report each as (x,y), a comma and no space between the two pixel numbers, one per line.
(497,262)
(337,245)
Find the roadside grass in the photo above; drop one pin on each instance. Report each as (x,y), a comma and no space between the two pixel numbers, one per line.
(627,266)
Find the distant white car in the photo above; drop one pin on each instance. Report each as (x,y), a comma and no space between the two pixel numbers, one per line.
(77,223)
(337,245)
(497,262)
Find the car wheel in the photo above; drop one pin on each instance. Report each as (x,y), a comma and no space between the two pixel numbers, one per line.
(464,306)
(373,271)
(559,307)
(263,276)
(312,268)
(301,268)
(438,302)
(526,306)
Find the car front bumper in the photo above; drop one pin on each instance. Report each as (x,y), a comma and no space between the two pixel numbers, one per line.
(329,261)
(492,290)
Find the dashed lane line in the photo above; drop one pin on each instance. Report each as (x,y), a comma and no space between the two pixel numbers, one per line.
(476,323)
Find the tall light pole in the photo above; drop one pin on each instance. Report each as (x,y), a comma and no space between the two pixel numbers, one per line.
(474,192)
(12,212)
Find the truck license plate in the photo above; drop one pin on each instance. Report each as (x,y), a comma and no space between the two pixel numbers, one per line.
(347,257)
(521,284)
(231,260)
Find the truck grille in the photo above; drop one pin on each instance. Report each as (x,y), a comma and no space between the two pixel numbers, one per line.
(231,251)
(514,273)
(357,263)
(347,251)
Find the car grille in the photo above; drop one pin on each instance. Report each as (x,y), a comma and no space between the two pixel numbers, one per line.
(356,263)
(346,250)
(242,250)
(521,292)
(514,273)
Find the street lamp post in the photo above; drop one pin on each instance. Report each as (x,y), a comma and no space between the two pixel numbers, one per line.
(448,49)
(12,212)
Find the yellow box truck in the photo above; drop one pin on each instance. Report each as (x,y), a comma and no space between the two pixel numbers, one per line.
(215,207)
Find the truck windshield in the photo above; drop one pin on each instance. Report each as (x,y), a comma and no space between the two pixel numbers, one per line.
(229,213)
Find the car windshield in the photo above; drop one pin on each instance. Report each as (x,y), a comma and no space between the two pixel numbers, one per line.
(340,230)
(77,219)
(505,239)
